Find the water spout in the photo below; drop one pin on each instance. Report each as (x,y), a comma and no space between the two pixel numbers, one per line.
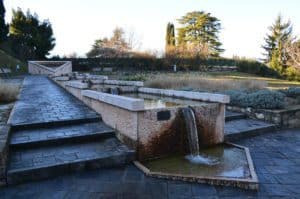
(114,91)
(192,132)
(193,139)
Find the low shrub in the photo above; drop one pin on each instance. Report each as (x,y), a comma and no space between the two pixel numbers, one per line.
(262,99)
(292,92)
(266,99)
(8,92)
(237,97)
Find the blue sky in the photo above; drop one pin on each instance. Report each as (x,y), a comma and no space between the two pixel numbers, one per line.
(78,23)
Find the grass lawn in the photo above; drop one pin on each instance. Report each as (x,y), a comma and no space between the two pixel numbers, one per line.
(272,82)
(219,77)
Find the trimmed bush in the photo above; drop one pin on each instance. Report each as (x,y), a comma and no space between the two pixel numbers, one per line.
(237,97)
(263,99)
(266,99)
(292,92)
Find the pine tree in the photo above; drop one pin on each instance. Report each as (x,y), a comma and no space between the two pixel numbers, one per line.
(200,29)
(32,38)
(3,25)
(170,36)
(280,32)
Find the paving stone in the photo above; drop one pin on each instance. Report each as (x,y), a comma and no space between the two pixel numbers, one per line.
(244,128)
(229,115)
(42,101)
(179,190)
(275,157)
(42,136)
(65,153)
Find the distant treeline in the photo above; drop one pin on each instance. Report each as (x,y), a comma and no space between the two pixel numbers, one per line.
(165,64)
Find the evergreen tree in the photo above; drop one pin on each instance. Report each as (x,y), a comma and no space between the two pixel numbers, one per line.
(200,29)
(170,36)
(3,25)
(32,39)
(280,33)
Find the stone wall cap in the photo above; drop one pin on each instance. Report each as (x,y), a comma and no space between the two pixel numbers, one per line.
(128,103)
(76,84)
(124,83)
(207,97)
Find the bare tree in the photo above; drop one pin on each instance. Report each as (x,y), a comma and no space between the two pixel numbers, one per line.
(292,49)
(133,40)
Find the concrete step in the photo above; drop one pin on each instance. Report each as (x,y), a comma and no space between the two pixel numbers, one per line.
(244,128)
(44,162)
(229,116)
(56,123)
(60,135)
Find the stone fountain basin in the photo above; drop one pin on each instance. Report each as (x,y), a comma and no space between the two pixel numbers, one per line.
(234,169)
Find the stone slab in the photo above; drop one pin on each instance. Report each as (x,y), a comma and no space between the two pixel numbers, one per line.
(124,83)
(58,135)
(45,162)
(229,115)
(244,128)
(207,97)
(128,103)
(42,101)
(77,84)
(62,78)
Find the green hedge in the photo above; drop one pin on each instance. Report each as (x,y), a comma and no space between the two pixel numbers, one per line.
(160,64)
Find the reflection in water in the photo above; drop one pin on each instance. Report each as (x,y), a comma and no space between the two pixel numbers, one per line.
(155,101)
(152,101)
(232,163)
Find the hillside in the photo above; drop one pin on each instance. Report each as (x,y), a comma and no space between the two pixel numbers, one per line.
(7,61)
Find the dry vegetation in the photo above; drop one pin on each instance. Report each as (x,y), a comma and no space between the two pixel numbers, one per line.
(204,83)
(8,92)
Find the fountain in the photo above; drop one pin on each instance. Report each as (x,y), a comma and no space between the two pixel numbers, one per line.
(193,140)
(114,91)
(221,164)
(176,134)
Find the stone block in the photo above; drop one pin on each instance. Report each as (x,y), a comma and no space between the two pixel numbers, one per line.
(62,78)
(76,84)
(260,116)
(124,83)
(128,103)
(207,97)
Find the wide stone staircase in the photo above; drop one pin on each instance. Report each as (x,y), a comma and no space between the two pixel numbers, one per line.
(42,151)
(53,133)
(238,126)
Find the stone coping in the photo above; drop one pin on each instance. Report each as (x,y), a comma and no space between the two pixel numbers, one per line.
(76,84)
(62,78)
(287,109)
(124,83)
(128,103)
(207,97)
(98,77)
(245,183)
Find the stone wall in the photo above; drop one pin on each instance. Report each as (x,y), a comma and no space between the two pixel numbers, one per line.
(161,136)
(153,132)
(41,68)
(285,118)
(4,139)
